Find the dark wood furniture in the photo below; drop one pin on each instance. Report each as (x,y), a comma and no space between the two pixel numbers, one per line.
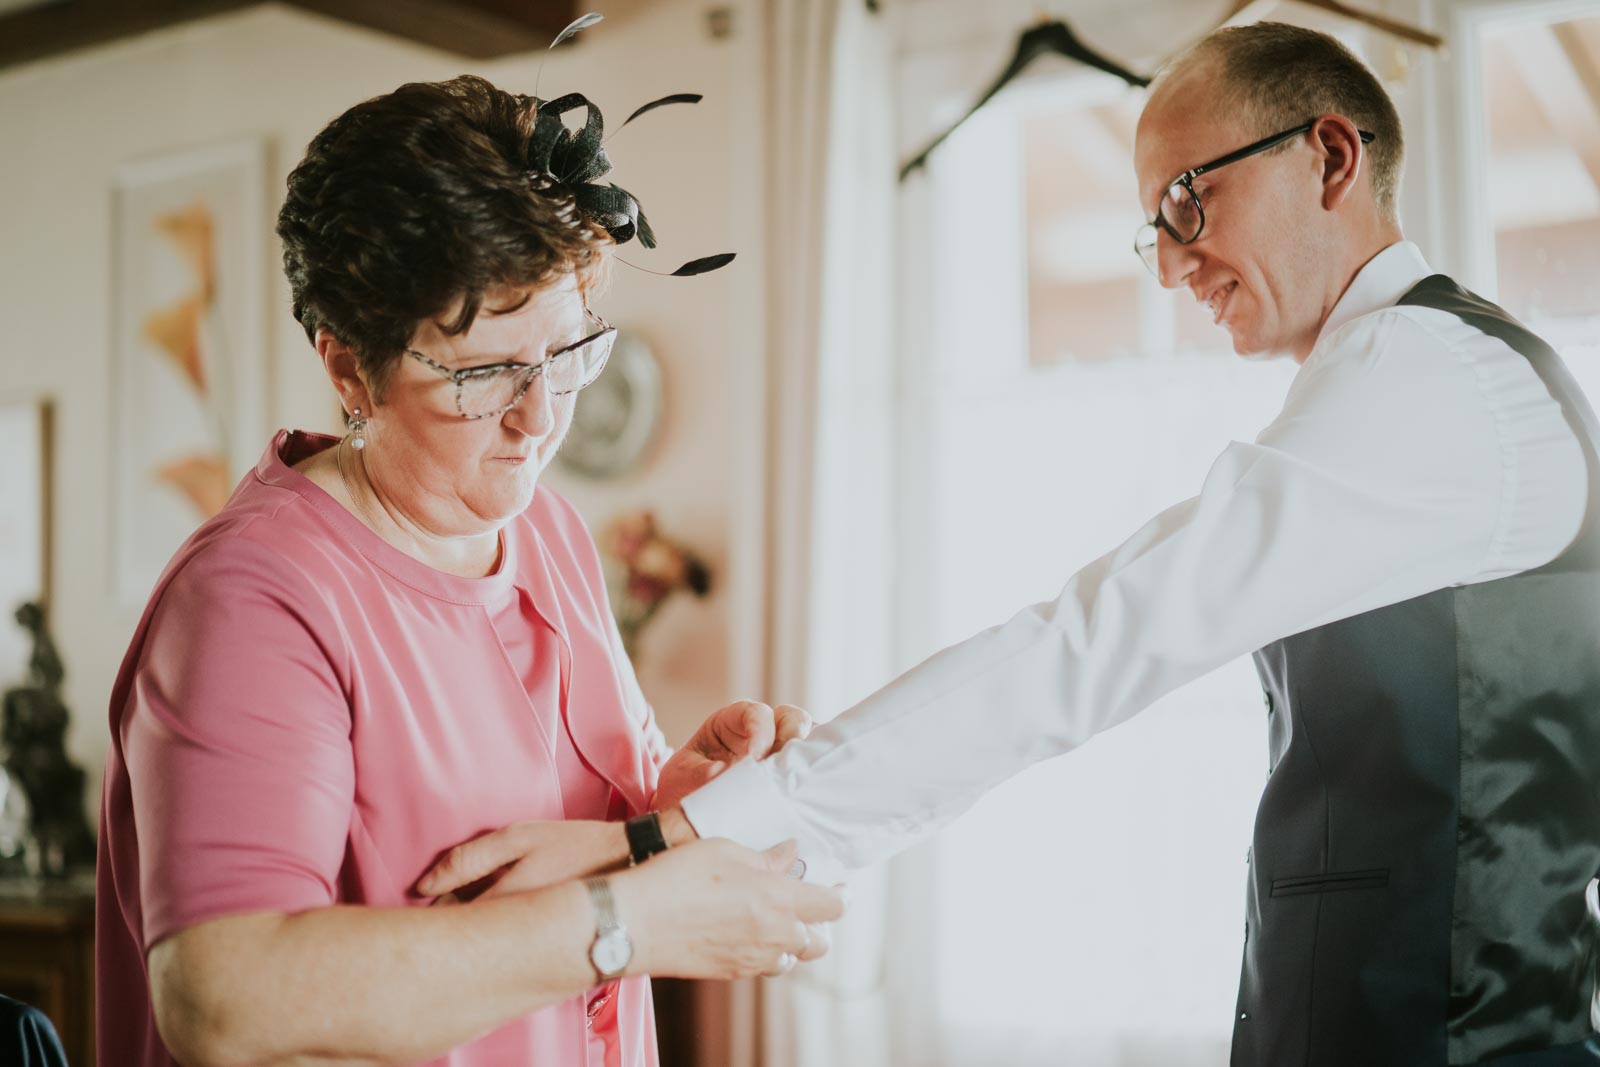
(47,956)
(675,1016)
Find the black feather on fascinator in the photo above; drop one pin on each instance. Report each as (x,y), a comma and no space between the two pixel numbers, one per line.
(571,162)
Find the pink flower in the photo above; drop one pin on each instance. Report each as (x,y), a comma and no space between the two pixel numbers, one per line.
(661,560)
(629,533)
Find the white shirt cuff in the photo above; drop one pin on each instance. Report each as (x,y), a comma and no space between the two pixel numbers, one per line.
(745,805)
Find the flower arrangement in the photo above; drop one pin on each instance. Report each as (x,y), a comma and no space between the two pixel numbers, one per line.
(651,567)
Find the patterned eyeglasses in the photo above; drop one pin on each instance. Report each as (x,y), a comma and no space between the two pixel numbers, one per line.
(484,392)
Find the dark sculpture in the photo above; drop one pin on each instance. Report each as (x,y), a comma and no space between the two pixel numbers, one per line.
(33,733)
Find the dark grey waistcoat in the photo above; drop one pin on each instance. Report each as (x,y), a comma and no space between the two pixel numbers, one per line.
(1432,812)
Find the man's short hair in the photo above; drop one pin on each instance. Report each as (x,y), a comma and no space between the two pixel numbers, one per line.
(1277,76)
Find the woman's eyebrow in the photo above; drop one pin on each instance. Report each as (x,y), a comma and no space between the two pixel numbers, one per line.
(563,338)
(518,306)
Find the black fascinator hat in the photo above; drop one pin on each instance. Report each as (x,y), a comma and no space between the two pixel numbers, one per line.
(571,162)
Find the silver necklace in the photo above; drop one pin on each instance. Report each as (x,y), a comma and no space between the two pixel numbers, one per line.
(338,459)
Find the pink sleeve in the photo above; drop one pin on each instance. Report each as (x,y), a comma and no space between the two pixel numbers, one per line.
(237,740)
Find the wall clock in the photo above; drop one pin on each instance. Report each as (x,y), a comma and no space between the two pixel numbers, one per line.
(616,417)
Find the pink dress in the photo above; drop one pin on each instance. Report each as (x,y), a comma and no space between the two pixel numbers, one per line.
(307,716)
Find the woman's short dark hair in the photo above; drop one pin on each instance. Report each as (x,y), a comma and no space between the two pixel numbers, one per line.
(410,201)
(1277,76)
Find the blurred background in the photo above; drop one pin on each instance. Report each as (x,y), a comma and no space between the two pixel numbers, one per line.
(908,408)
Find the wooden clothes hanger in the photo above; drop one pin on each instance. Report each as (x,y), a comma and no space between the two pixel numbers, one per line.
(1393,27)
(1048,37)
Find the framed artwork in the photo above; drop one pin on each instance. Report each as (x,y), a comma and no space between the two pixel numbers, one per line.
(188,385)
(26,435)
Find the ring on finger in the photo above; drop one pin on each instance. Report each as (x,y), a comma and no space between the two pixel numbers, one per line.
(786,963)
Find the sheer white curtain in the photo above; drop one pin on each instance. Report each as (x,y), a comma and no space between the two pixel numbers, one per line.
(829,397)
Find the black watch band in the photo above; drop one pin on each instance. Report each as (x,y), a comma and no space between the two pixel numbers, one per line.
(644,837)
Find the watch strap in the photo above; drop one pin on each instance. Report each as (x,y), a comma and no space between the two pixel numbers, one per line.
(645,838)
(609,933)
(605,905)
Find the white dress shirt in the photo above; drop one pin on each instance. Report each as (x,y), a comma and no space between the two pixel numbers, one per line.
(1413,452)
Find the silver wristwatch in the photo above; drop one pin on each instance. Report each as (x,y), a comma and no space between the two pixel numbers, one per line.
(612,951)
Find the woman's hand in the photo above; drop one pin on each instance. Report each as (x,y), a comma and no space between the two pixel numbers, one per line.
(530,855)
(714,909)
(524,856)
(745,728)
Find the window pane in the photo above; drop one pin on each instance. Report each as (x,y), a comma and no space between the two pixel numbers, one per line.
(1041,449)
(1083,275)
(1542,95)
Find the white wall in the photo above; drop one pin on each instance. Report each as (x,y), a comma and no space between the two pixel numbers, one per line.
(278,74)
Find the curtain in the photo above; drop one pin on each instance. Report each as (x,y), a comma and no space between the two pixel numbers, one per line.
(829,390)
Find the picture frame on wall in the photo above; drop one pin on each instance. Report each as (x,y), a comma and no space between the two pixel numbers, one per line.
(27,434)
(188,382)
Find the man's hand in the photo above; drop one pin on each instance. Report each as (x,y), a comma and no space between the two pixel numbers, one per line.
(746,728)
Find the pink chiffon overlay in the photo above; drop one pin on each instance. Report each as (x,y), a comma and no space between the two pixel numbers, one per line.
(307,716)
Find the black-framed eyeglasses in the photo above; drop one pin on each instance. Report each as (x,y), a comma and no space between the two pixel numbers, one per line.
(1179,212)
(494,389)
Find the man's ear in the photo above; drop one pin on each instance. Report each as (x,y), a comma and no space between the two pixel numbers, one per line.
(344,371)
(1343,158)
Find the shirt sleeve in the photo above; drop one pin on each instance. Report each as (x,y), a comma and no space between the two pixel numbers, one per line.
(1388,474)
(237,740)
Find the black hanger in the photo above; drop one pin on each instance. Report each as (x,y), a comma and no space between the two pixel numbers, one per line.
(1047,38)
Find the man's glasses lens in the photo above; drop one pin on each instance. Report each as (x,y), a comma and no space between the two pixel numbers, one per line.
(1144,243)
(1182,212)
(1179,215)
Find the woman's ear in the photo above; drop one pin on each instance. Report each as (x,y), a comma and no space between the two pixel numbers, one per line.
(1343,153)
(344,371)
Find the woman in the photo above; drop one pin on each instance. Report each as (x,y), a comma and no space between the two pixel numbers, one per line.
(390,643)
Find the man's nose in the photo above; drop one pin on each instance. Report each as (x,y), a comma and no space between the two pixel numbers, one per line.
(1175,261)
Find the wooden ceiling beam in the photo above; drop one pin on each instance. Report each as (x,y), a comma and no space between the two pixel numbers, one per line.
(477,29)
(39,32)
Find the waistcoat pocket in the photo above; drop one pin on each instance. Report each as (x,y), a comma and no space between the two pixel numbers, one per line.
(1333,882)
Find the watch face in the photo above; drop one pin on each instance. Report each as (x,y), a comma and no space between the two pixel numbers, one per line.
(612,952)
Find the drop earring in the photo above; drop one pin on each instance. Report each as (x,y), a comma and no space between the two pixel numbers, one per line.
(358,430)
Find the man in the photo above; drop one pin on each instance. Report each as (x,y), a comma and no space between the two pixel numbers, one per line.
(1412,550)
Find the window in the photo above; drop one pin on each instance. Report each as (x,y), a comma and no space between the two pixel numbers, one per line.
(1054,399)
(1058,398)
(1541,106)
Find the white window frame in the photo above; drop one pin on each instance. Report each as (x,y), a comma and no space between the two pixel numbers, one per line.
(1455,144)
